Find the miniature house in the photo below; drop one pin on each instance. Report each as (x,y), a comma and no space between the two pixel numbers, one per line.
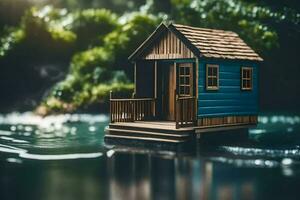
(188,80)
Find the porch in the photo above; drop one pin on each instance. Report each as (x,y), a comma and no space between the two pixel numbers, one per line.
(136,119)
(128,111)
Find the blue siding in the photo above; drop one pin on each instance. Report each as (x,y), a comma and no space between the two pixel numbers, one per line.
(229,99)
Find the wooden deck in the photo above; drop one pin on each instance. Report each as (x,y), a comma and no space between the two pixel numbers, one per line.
(160,132)
(160,125)
(152,131)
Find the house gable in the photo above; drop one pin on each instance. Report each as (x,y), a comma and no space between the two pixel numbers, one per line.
(167,46)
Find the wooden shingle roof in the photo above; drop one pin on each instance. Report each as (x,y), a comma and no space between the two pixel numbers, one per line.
(214,43)
(204,42)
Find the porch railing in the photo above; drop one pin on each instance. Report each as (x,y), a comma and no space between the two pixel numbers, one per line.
(185,111)
(130,110)
(141,109)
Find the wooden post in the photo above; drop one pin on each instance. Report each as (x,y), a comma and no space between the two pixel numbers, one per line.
(132,106)
(176,111)
(155,87)
(135,77)
(195,111)
(197,92)
(110,107)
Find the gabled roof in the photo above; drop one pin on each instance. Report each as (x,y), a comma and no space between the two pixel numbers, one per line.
(210,43)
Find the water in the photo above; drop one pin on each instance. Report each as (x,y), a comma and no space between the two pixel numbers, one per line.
(64,157)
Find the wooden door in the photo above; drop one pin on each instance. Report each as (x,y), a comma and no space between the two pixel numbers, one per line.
(169,87)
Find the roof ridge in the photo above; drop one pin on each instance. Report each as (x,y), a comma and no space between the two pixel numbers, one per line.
(204,29)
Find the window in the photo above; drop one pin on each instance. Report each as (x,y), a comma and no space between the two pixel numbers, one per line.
(246,76)
(185,79)
(212,77)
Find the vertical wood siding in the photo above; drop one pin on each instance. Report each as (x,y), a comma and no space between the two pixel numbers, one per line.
(168,46)
(229,100)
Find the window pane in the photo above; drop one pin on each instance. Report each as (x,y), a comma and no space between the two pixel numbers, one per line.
(215,71)
(248,84)
(214,82)
(244,84)
(181,70)
(209,82)
(187,90)
(187,71)
(209,71)
(244,73)
(181,90)
(181,80)
(187,81)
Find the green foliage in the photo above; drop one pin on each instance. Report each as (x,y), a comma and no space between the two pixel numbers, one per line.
(94,43)
(92,72)
(102,91)
(66,89)
(92,25)
(9,40)
(86,62)
(42,33)
(252,21)
(66,99)
(47,23)
(124,40)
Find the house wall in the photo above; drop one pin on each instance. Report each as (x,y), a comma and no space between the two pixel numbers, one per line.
(229,100)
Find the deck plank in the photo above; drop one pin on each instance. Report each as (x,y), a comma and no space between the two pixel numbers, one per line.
(143,138)
(150,133)
(163,125)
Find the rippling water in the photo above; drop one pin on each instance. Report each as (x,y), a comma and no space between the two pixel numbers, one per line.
(64,157)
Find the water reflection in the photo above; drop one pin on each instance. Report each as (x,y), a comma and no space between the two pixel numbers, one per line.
(151,177)
(146,177)
(140,176)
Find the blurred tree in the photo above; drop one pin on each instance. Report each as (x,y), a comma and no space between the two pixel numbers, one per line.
(35,54)
(11,12)
(92,25)
(93,72)
(44,43)
(124,40)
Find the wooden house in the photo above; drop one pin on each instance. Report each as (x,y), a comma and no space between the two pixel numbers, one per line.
(187,80)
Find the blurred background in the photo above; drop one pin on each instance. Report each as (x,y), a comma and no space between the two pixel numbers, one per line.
(60,56)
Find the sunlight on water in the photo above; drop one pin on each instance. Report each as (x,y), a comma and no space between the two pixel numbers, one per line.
(279,119)
(60,157)
(275,153)
(22,153)
(276,145)
(78,136)
(28,118)
(257,163)
(59,137)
